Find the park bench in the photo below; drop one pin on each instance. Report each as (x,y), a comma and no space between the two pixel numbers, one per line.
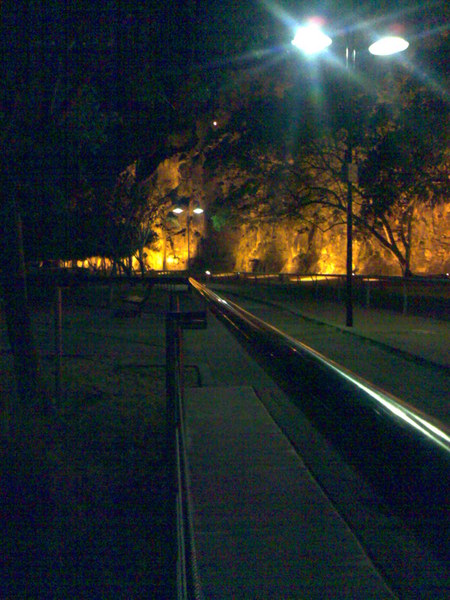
(132,303)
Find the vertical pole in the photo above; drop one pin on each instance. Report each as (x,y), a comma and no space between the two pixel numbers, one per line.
(405,297)
(367,293)
(188,242)
(111,292)
(58,345)
(171,392)
(164,261)
(170,384)
(350,62)
(349,282)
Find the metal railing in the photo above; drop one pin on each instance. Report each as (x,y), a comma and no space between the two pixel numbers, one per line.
(400,449)
(183,575)
(408,295)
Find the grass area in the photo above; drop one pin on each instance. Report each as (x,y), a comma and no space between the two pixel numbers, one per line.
(421,298)
(82,492)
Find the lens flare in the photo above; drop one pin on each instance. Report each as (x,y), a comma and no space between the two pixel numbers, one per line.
(311,39)
(388,45)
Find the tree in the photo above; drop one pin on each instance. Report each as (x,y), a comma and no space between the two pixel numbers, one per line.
(288,152)
(406,169)
(126,217)
(68,76)
(15,305)
(403,166)
(48,135)
(19,82)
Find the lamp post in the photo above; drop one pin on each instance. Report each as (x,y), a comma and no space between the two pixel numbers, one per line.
(310,39)
(197,210)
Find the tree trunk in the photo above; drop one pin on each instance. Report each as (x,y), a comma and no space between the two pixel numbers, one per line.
(141,260)
(408,240)
(17,315)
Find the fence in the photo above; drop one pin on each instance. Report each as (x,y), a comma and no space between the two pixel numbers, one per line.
(415,295)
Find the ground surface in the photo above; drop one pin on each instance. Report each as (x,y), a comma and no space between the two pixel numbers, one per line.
(83,498)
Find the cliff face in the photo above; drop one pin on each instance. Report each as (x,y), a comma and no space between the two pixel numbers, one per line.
(431,253)
(287,247)
(315,244)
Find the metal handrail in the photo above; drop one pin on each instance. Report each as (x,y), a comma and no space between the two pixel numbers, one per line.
(404,451)
(182,565)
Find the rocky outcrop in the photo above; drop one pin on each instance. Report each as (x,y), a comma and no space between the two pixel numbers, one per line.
(287,247)
(316,243)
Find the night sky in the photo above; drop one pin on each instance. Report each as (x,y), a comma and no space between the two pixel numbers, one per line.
(203,33)
(200,26)
(118,45)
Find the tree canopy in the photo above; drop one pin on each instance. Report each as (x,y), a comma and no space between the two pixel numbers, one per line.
(87,89)
(287,145)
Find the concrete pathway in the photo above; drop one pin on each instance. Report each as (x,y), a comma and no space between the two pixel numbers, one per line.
(263,526)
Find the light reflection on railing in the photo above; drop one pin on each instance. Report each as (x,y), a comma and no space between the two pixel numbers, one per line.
(406,450)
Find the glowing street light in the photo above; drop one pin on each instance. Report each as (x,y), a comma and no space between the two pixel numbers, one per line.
(388,45)
(310,39)
(197,210)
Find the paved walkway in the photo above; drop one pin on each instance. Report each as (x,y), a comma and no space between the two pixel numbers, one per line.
(263,526)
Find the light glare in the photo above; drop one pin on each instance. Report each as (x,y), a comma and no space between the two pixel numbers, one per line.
(388,45)
(311,39)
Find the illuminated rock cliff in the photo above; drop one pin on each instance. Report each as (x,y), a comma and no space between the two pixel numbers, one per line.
(314,244)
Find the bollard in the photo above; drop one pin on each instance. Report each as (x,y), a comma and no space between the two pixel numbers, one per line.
(316,288)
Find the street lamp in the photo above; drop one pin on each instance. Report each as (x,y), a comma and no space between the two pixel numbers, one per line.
(197,210)
(310,39)
(388,45)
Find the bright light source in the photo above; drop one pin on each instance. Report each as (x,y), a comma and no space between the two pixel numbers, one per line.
(178,210)
(197,210)
(310,39)
(388,45)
